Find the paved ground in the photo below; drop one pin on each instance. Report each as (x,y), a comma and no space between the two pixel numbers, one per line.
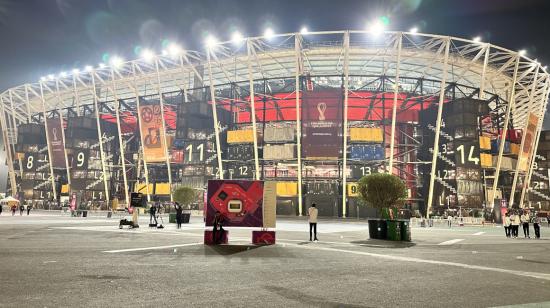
(58,261)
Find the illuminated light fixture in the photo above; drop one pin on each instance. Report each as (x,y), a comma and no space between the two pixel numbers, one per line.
(545,67)
(63,74)
(88,68)
(51,77)
(147,55)
(102,65)
(413,30)
(304,30)
(42,78)
(376,28)
(174,49)
(522,52)
(237,37)
(164,52)
(268,33)
(75,71)
(477,39)
(211,42)
(116,61)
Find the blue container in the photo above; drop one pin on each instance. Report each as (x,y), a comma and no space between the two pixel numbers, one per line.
(495,144)
(379,152)
(357,151)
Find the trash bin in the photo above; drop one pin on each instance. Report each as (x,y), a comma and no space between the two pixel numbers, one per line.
(394,230)
(172,218)
(109,214)
(378,229)
(186,217)
(84,213)
(405,230)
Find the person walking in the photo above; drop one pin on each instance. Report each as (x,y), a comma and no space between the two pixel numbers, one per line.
(1,209)
(13,208)
(153,214)
(26,208)
(450,221)
(29,207)
(525,223)
(21,209)
(312,212)
(507,224)
(179,214)
(536,226)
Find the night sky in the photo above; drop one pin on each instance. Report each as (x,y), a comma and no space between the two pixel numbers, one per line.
(41,37)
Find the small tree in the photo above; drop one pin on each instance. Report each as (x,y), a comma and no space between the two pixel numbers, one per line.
(382,190)
(184,195)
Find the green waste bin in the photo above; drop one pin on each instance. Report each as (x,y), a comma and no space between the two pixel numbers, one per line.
(172,218)
(394,230)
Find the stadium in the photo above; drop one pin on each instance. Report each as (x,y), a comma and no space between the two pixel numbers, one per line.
(457,120)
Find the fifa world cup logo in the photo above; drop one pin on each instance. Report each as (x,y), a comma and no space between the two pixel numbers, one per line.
(54,133)
(322,107)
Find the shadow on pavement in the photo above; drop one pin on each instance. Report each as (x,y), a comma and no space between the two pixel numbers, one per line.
(227,250)
(306,299)
(383,244)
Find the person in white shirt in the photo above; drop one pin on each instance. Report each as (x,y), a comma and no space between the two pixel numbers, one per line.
(525,223)
(507,224)
(450,221)
(515,224)
(312,213)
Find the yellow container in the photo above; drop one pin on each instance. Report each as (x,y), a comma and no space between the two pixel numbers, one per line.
(484,143)
(287,189)
(65,189)
(514,148)
(240,136)
(162,188)
(486,160)
(369,134)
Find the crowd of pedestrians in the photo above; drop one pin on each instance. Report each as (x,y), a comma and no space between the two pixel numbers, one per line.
(514,219)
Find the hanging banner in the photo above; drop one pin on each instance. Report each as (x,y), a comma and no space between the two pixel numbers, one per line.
(530,132)
(322,124)
(152,133)
(57,146)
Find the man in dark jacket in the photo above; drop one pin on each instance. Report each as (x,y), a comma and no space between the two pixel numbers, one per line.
(218,220)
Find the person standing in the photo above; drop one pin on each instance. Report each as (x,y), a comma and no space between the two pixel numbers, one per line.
(153,214)
(450,221)
(179,214)
(13,208)
(1,209)
(525,223)
(27,208)
(507,224)
(515,224)
(21,209)
(218,220)
(536,226)
(312,212)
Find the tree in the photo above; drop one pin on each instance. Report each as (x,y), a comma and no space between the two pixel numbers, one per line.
(185,195)
(382,190)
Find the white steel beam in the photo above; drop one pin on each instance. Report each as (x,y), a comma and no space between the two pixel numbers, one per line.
(438,126)
(249,48)
(50,162)
(345,137)
(215,116)
(394,107)
(298,72)
(120,139)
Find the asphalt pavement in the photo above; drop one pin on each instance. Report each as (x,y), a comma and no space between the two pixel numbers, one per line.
(52,260)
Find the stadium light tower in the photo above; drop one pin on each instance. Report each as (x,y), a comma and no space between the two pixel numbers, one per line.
(211,42)
(63,74)
(116,61)
(148,55)
(522,52)
(174,49)
(376,28)
(75,71)
(237,37)
(51,77)
(304,31)
(88,68)
(477,39)
(413,30)
(268,33)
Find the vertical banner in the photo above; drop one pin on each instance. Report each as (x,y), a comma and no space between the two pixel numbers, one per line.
(152,132)
(322,124)
(57,146)
(530,132)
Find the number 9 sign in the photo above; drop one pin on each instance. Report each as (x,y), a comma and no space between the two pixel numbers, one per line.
(80,159)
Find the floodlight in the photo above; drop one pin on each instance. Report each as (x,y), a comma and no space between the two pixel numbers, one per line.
(477,39)
(88,68)
(269,33)
(237,37)
(116,61)
(304,30)
(211,41)
(376,28)
(147,55)
(522,52)
(413,30)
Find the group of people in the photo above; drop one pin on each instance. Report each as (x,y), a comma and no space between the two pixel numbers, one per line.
(156,209)
(22,209)
(513,220)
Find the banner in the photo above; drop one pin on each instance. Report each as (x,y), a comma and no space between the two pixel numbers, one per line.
(322,124)
(152,133)
(530,132)
(57,146)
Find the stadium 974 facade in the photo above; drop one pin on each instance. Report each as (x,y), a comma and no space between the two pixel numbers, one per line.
(314,111)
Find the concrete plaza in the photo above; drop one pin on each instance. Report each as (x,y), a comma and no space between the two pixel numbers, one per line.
(52,260)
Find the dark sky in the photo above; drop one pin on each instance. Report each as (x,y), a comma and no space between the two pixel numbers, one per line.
(41,37)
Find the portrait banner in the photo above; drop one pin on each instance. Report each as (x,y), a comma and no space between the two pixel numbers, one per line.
(57,146)
(152,133)
(322,124)
(530,135)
